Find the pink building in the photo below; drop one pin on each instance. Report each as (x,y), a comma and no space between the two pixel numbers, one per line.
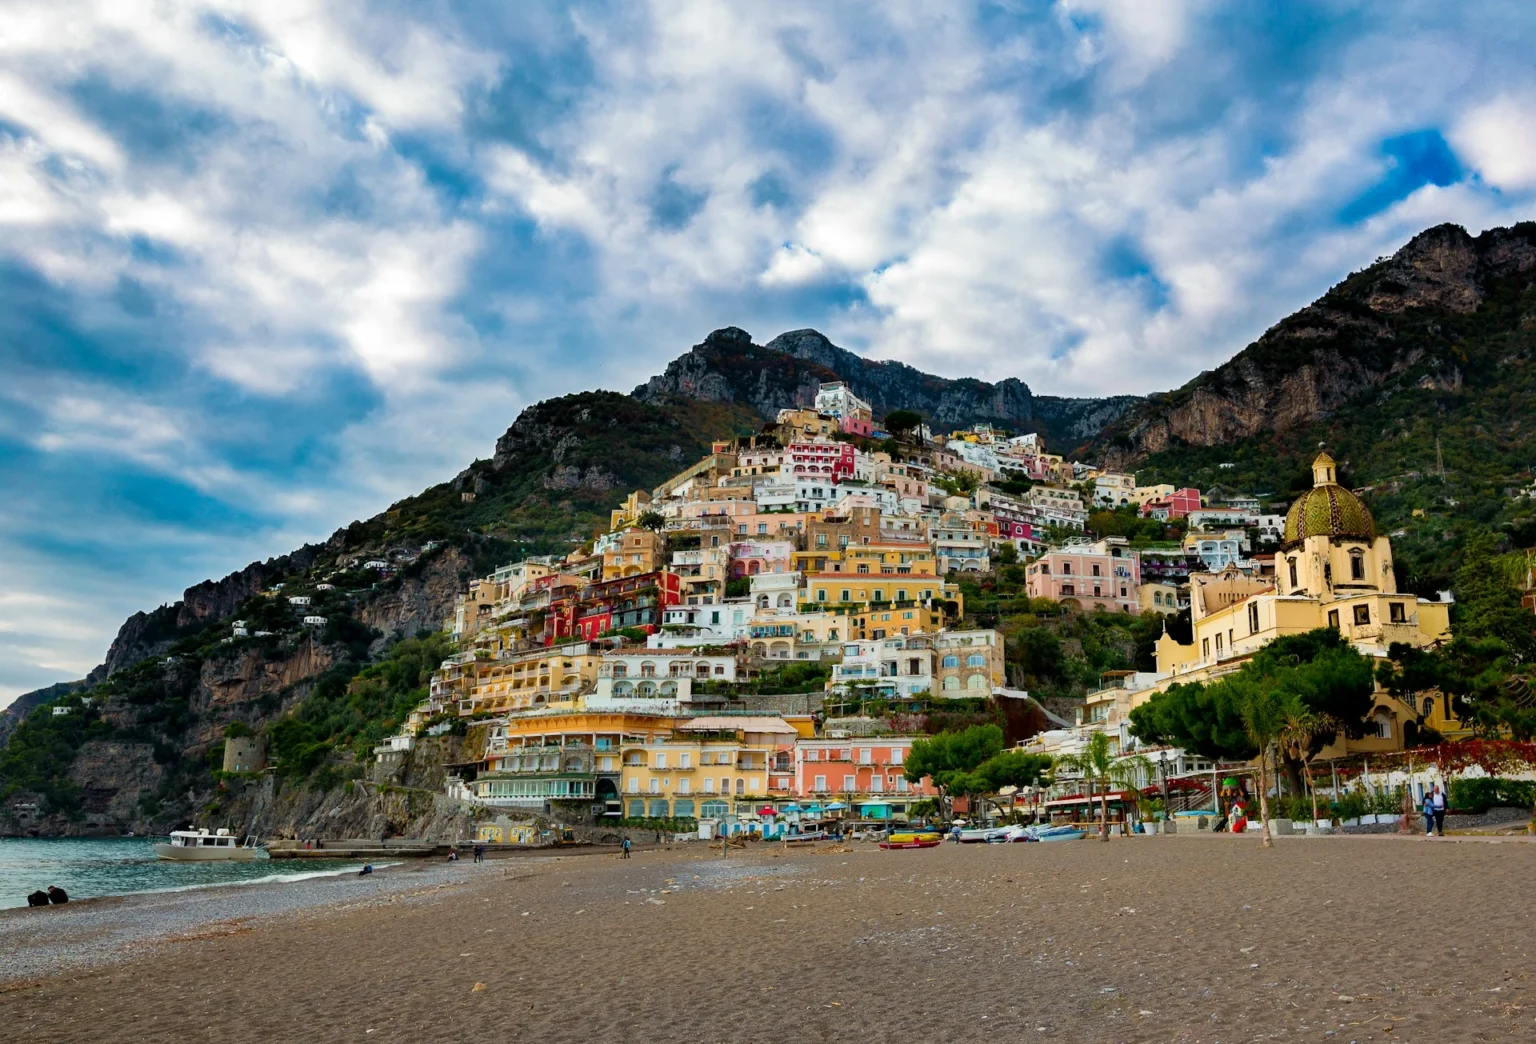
(840,769)
(856,425)
(821,458)
(1101,576)
(1177,506)
(751,557)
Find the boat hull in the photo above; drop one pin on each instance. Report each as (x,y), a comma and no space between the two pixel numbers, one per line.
(189,854)
(927,843)
(1072,835)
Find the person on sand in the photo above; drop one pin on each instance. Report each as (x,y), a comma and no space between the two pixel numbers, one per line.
(453,855)
(57,896)
(479,853)
(38,898)
(1429,814)
(366,870)
(1437,802)
(625,846)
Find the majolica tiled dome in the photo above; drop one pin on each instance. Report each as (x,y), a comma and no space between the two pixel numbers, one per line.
(1327,509)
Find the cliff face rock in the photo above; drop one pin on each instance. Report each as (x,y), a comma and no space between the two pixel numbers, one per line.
(1344,344)
(421,602)
(728,367)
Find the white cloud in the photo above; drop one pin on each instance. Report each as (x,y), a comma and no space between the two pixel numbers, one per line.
(1498,139)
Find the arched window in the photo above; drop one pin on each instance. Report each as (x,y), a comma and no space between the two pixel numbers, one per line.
(658,808)
(712,809)
(741,785)
(1291,565)
(1357,565)
(951,683)
(976,660)
(951,660)
(622,689)
(647,669)
(976,681)
(646,689)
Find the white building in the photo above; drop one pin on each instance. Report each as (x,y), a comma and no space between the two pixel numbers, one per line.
(886,667)
(655,681)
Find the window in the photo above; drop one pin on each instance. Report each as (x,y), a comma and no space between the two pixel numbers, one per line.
(976,682)
(658,808)
(682,785)
(1066,567)
(850,783)
(1067,589)
(634,784)
(1253,617)
(821,594)
(951,660)
(951,683)
(1218,644)
(1205,647)
(714,809)
(901,596)
(682,809)
(976,660)
(1333,619)
(845,597)
(655,785)
(1397,612)
(1291,564)
(709,785)
(866,756)
(725,785)
(684,760)
(821,785)
(1356,566)
(1362,614)
(1095,569)
(637,809)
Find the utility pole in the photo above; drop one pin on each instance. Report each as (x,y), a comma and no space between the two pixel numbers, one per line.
(1439,459)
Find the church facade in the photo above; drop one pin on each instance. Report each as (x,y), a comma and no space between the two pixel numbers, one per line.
(1333,570)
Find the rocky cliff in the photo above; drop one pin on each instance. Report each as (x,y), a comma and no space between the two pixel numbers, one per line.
(1373,326)
(728,367)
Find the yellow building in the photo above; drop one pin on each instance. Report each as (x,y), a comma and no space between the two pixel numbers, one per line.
(516,681)
(638,551)
(635,505)
(888,622)
(1159,597)
(803,426)
(824,590)
(702,768)
(1333,570)
(895,558)
(550,755)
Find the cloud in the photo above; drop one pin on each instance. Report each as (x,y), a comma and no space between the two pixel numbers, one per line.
(271,265)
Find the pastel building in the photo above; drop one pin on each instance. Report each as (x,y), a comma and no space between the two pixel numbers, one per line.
(857,772)
(1101,576)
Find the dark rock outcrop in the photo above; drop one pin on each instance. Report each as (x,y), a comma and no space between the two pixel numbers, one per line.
(1342,345)
(728,367)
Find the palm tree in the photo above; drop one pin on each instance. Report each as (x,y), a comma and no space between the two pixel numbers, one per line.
(1098,765)
(1264,709)
(1302,726)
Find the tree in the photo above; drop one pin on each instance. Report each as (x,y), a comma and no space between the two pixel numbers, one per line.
(1265,707)
(1101,768)
(899,422)
(1302,727)
(1007,554)
(951,759)
(1014,768)
(652,520)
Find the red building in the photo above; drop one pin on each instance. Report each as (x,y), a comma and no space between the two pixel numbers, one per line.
(1177,506)
(821,458)
(631,601)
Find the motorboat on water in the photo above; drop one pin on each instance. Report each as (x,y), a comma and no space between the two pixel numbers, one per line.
(203,845)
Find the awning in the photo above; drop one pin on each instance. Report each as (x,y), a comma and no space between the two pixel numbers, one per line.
(765,811)
(836,806)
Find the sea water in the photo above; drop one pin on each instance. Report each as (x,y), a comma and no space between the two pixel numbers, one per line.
(91,867)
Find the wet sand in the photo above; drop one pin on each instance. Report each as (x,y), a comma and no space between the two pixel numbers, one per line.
(1143,939)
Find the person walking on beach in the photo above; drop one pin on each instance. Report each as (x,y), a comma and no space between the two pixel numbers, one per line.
(1428,809)
(625,846)
(479,853)
(1437,801)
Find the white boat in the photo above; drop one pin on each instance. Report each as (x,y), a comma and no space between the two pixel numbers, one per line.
(975,835)
(1007,835)
(806,836)
(200,845)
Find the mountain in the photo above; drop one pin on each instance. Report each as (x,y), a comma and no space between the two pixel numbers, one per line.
(728,367)
(1419,373)
(1412,320)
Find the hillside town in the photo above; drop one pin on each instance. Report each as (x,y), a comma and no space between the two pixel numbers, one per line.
(755,644)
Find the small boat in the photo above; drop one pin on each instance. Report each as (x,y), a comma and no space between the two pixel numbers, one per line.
(1058,833)
(911,839)
(974,835)
(204,845)
(1007,835)
(809,835)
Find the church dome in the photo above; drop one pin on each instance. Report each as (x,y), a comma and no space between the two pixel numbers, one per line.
(1327,509)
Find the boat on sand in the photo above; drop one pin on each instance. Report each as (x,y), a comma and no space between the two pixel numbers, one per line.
(911,839)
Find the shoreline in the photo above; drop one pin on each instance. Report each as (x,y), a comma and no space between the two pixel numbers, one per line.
(1142,939)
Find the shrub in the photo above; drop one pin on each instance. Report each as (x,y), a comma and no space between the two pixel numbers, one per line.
(1476,796)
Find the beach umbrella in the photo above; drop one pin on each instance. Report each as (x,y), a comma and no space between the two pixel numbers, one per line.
(765,811)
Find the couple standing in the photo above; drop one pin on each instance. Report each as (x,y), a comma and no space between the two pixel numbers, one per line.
(1434,812)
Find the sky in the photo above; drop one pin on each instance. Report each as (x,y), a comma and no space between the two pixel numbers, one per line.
(266,267)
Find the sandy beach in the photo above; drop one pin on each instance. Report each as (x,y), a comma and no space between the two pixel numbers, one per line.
(1145,939)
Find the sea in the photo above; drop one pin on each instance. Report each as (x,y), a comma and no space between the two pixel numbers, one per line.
(90,867)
